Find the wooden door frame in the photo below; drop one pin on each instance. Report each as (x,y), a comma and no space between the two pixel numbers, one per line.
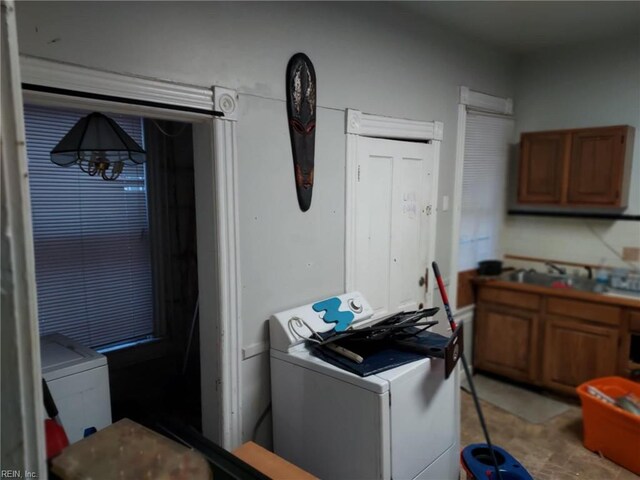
(215,164)
(359,124)
(474,101)
(22,405)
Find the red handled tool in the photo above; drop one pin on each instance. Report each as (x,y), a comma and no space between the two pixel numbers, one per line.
(55,436)
(452,324)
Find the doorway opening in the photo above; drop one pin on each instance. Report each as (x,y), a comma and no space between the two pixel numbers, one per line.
(116,262)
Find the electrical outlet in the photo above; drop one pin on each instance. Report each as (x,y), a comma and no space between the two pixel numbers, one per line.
(631,254)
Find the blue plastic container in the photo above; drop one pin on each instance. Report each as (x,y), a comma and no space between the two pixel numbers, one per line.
(476,460)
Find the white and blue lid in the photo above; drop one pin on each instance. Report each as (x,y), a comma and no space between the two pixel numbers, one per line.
(60,356)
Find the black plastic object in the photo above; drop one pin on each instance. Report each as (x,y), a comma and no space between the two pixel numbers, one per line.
(574,214)
(490,267)
(49,404)
(392,325)
(225,465)
(393,341)
(437,346)
(385,354)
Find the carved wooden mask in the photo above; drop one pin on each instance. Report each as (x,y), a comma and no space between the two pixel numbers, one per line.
(301,113)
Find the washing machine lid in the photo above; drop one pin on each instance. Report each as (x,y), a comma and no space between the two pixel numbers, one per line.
(303,358)
(60,356)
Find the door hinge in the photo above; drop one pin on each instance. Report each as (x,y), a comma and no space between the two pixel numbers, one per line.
(358,172)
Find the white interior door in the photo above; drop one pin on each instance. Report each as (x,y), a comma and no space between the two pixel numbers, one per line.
(394,212)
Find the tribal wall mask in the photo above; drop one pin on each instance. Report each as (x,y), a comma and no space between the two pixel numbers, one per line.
(301,113)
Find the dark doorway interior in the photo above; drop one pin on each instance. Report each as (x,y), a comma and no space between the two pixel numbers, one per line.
(161,379)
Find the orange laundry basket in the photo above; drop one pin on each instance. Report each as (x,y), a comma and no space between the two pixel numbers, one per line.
(607,428)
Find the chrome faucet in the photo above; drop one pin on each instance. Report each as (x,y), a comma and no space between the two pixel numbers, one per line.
(553,266)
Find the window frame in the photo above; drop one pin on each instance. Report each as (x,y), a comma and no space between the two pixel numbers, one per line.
(40,118)
(474,100)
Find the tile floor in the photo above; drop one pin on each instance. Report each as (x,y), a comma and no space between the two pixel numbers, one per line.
(549,451)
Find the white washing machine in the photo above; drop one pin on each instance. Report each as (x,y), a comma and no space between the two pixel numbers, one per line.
(78,379)
(399,424)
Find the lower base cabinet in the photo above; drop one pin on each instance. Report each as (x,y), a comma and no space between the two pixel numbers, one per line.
(575,352)
(506,341)
(531,344)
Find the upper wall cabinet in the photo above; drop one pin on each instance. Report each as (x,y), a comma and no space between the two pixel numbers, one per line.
(542,166)
(587,167)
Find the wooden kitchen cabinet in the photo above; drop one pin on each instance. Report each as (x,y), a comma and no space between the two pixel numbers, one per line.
(597,173)
(542,166)
(580,167)
(630,343)
(506,341)
(576,351)
(551,338)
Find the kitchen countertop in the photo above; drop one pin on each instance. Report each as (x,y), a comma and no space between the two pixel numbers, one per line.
(622,301)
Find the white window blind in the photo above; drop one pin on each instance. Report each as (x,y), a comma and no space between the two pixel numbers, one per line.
(484,187)
(91,239)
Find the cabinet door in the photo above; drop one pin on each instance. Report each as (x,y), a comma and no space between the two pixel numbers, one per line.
(542,167)
(597,167)
(575,351)
(506,341)
(629,355)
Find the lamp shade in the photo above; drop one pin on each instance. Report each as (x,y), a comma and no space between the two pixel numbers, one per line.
(97,136)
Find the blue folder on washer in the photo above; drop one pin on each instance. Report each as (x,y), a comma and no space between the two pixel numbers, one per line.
(381,355)
(385,359)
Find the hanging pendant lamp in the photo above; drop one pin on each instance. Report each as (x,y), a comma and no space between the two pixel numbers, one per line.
(99,146)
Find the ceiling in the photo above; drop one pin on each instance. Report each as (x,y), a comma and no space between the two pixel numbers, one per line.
(522,27)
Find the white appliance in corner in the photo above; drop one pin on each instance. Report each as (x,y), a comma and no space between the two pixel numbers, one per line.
(400,424)
(78,379)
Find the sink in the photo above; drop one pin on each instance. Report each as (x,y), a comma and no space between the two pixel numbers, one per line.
(628,294)
(552,281)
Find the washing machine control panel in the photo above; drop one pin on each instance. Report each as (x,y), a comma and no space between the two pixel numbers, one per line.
(291,328)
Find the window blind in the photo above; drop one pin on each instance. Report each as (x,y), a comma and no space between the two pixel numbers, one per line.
(484,187)
(91,239)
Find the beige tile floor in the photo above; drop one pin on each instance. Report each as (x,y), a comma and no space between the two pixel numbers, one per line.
(549,451)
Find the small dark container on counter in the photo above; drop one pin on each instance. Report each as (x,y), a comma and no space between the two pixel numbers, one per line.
(490,267)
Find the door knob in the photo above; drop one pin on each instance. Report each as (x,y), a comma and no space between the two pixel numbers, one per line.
(424,280)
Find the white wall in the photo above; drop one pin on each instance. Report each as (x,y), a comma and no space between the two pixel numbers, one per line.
(371,57)
(584,85)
